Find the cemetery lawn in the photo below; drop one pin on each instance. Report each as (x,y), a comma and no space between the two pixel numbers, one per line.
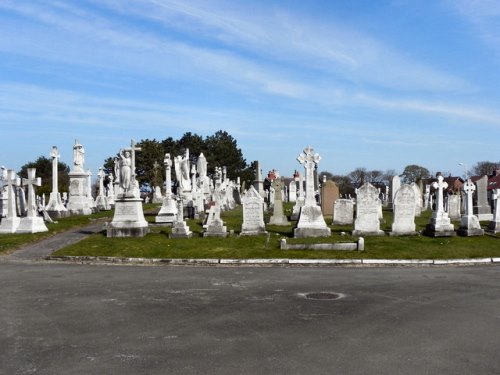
(157,244)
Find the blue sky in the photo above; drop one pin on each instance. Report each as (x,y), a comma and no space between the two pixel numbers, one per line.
(374,84)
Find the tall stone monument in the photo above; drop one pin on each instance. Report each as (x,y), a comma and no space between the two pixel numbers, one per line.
(329,194)
(55,207)
(440,224)
(494,225)
(278,218)
(78,204)
(469,224)
(128,219)
(10,223)
(180,228)
(4,194)
(168,211)
(101,201)
(311,221)
(32,222)
(258,182)
(404,211)
(482,209)
(367,221)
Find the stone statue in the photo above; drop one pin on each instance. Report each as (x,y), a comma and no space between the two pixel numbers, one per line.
(78,156)
(182,170)
(125,169)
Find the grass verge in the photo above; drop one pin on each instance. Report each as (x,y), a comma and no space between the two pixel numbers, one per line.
(158,245)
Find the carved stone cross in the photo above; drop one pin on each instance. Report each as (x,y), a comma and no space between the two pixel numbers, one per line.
(440,185)
(133,148)
(167,162)
(469,189)
(309,159)
(31,182)
(12,182)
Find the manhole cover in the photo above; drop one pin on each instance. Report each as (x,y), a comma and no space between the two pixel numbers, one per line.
(323,295)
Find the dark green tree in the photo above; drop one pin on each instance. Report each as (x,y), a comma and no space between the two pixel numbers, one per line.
(222,150)
(413,173)
(151,151)
(43,167)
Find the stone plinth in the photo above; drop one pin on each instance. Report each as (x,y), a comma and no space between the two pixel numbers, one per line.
(128,220)
(168,212)
(32,224)
(216,229)
(311,223)
(10,224)
(78,202)
(470,226)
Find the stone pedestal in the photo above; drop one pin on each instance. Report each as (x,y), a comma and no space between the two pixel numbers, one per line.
(78,202)
(33,224)
(10,224)
(440,226)
(216,229)
(168,212)
(311,223)
(128,220)
(470,226)
(55,208)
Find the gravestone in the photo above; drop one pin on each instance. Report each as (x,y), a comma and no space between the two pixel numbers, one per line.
(494,225)
(55,207)
(168,211)
(180,228)
(292,191)
(10,223)
(278,218)
(482,209)
(454,203)
(78,204)
(396,183)
(4,194)
(128,219)
(300,199)
(440,223)
(214,226)
(343,212)
(311,221)
(469,224)
(329,194)
(32,222)
(253,213)
(427,195)
(101,201)
(418,199)
(258,183)
(367,212)
(404,211)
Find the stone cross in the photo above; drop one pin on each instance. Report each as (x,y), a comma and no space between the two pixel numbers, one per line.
(54,154)
(31,182)
(167,162)
(309,160)
(133,148)
(12,182)
(440,185)
(469,189)
(495,197)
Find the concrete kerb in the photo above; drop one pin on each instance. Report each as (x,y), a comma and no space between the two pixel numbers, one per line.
(273,262)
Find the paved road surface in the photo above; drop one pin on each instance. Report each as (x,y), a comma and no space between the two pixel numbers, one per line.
(83,319)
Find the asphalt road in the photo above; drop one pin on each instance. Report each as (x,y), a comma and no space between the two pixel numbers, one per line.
(84,319)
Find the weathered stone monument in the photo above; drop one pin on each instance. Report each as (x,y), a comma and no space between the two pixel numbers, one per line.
(343,212)
(182,165)
(494,225)
(10,223)
(214,226)
(78,204)
(367,212)
(55,207)
(482,209)
(168,211)
(157,196)
(396,183)
(329,194)
(180,228)
(300,198)
(469,224)
(128,219)
(32,222)
(101,201)
(454,203)
(4,195)
(311,221)
(418,198)
(404,212)
(278,217)
(253,213)
(440,223)
(292,191)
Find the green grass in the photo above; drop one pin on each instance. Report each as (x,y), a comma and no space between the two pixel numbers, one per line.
(157,244)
